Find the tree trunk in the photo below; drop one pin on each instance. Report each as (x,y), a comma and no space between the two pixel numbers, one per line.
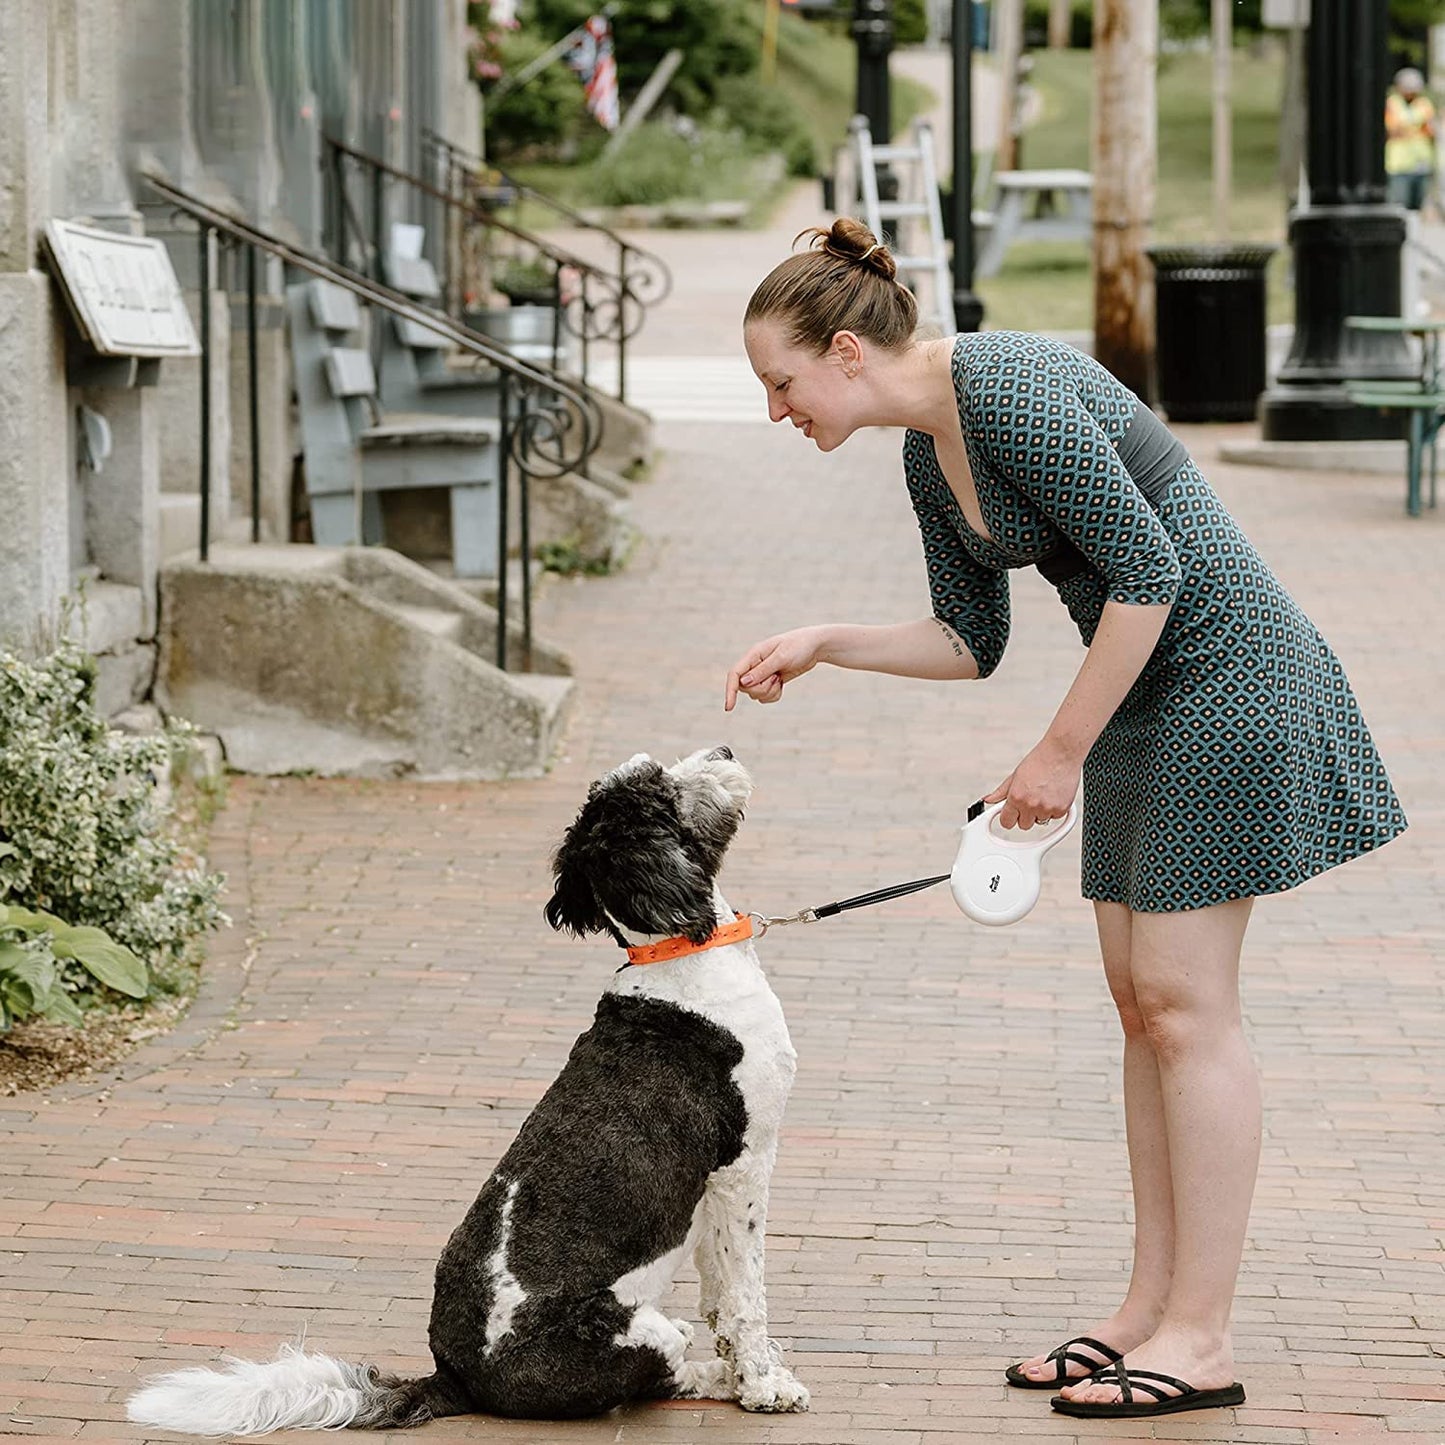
(1008,42)
(1124,158)
(1059,16)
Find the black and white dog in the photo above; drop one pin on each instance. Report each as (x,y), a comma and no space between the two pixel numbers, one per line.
(658,1137)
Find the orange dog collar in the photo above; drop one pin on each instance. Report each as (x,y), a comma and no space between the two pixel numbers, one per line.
(671,948)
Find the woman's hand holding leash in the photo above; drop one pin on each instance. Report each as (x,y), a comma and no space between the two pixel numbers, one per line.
(1041,788)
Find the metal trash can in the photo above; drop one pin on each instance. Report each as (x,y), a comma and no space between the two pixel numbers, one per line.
(1210,330)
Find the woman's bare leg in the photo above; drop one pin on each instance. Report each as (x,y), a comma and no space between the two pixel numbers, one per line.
(1185,972)
(1143,1305)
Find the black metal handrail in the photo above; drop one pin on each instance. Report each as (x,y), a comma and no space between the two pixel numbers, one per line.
(539,410)
(645,278)
(598,318)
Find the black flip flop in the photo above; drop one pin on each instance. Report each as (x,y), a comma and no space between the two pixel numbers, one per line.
(1063,1357)
(1163,1403)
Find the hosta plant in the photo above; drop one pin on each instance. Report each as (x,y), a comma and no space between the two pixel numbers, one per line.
(97,890)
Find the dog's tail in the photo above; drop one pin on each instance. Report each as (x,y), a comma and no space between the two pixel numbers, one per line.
(295,1391)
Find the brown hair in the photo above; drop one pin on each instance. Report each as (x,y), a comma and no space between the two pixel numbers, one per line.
(844,281)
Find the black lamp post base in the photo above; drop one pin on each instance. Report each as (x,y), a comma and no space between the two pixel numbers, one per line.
(1323,413)
(967,311)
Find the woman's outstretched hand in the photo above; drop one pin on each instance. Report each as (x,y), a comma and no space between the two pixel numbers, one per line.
(1041,788)
(763,669)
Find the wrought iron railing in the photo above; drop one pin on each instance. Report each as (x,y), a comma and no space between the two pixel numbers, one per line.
(589,300)
(549,424)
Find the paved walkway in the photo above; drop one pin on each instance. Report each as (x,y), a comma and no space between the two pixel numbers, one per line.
(951,1191)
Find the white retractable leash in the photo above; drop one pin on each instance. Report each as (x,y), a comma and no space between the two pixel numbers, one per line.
(995,877)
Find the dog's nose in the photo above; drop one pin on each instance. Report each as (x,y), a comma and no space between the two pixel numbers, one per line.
(724,753)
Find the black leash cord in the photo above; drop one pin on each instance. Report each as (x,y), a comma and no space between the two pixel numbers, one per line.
(880,895)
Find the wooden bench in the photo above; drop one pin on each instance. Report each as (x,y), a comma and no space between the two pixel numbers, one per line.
(419,371)
(353,451)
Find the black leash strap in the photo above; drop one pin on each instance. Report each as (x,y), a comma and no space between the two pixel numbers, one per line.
(879,895)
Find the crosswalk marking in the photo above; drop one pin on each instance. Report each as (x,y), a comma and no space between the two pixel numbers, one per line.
(688,388)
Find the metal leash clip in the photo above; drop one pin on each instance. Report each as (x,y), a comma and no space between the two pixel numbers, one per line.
(804,915)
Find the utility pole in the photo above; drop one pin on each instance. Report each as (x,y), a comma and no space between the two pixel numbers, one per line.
(1126,36)
(1221,24)
(967,308)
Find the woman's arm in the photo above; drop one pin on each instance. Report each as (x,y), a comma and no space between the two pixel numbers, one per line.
(926,648)
(1045,782)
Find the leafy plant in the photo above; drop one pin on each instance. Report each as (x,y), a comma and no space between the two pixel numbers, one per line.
(34,947)
(94,882)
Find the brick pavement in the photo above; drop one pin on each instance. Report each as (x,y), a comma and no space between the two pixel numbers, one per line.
(951,1191)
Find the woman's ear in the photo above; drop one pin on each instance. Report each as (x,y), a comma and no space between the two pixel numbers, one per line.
(848,350)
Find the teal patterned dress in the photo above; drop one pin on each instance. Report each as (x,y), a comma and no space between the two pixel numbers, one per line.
(1239,763)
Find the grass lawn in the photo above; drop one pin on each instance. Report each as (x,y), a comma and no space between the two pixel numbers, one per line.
(1046,286)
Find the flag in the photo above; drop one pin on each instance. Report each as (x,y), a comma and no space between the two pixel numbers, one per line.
(591,58)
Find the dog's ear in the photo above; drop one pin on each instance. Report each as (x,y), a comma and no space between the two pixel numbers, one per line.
(573,906)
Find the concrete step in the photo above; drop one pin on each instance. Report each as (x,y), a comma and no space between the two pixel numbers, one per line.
(180,524)
(350,661)
(438,621)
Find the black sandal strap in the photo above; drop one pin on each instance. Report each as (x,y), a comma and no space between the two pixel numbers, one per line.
(1065,1355)
(1144,1376)
(1126,1379)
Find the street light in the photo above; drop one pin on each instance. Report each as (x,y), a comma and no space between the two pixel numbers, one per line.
(873,35)
(967,308)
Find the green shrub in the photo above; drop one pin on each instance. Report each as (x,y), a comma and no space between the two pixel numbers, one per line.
(547,111)
(714,36)
(86,841)
(771,119)
(659,163)
(910,22)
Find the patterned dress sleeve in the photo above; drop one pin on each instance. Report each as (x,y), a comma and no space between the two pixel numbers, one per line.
(970,598)
(1040,438)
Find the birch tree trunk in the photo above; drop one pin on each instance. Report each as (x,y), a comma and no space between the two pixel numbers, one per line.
(1124,160)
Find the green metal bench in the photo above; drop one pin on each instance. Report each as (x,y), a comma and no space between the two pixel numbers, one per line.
(1426,410)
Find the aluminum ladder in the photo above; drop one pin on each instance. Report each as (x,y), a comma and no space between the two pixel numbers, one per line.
(925,253)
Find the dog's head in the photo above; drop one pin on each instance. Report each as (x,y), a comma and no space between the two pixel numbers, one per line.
(647,846)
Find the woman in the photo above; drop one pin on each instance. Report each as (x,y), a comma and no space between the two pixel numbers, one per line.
(1222,753)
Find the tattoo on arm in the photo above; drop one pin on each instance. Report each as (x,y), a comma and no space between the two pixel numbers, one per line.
(952,637)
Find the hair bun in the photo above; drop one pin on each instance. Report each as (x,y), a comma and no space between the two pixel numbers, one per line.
(849,239)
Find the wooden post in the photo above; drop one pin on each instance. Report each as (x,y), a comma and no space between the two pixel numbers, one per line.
(1221,24)
(1060,18)
(1125,161)
(1008,43)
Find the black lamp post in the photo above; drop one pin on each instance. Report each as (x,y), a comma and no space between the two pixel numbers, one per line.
(873,35)
(1346,242)
(967,308)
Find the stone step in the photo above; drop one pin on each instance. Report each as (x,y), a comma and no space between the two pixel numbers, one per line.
(440,622)
(350,661)
(180,524)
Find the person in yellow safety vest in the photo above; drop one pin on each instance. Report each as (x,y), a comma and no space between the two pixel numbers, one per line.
(1410,140)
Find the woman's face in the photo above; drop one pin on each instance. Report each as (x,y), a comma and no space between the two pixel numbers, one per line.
(815,393)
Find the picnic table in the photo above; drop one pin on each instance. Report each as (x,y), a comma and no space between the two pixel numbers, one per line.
(1038,206)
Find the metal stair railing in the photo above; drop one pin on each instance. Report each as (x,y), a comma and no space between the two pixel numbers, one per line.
(644,278)
(549,425)
(607,310)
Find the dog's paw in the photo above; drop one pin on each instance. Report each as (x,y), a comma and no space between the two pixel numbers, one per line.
(705,1380)
(685,1329)
(776,1392)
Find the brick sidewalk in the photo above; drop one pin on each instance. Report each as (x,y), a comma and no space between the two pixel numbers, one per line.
(951,1191)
